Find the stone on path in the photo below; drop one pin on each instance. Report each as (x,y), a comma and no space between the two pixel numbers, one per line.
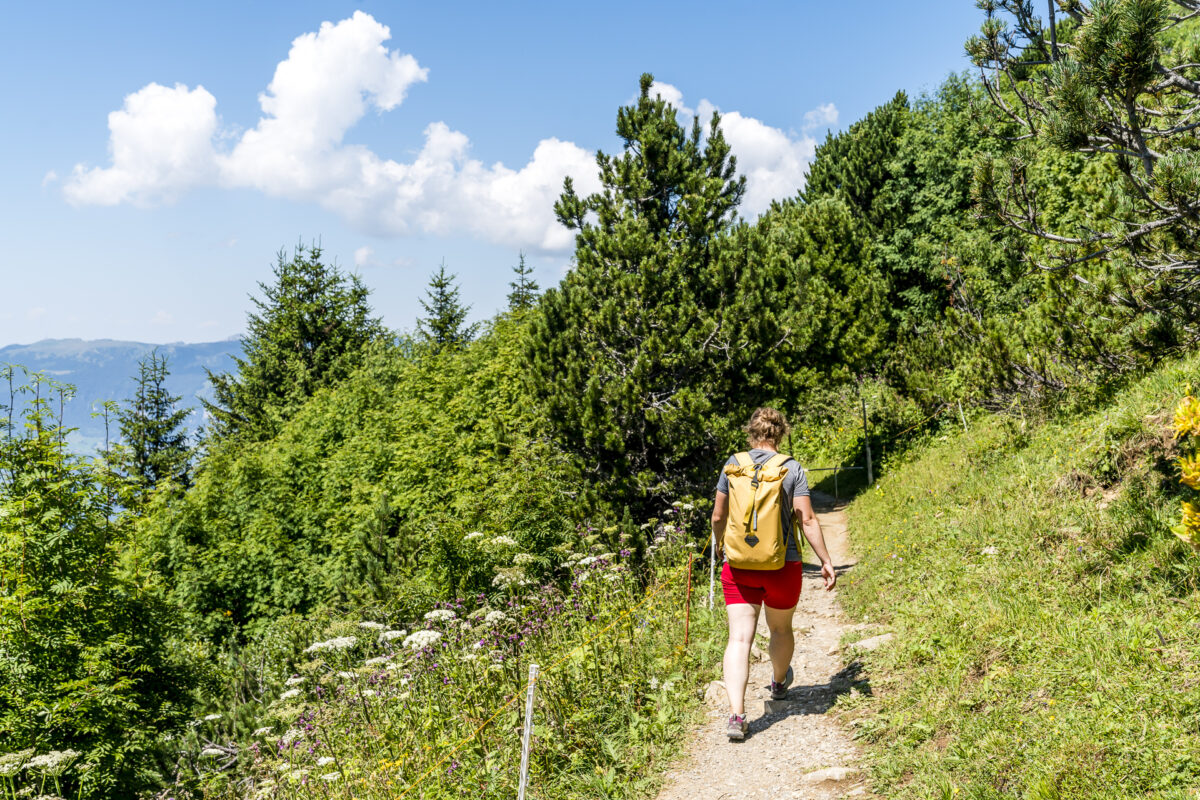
(830,774)
(716,696)
(875,642)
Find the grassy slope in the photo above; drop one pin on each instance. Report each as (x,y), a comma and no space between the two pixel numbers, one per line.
(1065,665)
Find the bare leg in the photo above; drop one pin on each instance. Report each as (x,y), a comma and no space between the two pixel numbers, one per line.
(743,618)
(783,642)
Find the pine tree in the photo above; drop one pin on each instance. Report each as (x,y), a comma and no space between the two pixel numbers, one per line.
(444,327)
(524,294)
(644,342)
(309,331)
(154,441)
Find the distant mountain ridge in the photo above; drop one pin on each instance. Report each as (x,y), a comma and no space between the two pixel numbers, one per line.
(104,369)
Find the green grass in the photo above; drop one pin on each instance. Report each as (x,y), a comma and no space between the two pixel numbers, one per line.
(1067,664)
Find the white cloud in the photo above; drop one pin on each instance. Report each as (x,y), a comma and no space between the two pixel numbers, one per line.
(166,141)
(161,145)
(823,116)
(162,318)
(362,256)
(49,177)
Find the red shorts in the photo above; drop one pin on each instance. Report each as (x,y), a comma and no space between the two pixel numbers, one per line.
(777,588)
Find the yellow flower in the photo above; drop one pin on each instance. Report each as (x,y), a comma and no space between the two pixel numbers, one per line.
(1187,417)
(1189,471)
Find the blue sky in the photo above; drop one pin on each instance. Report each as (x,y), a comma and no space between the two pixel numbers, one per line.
(442,137)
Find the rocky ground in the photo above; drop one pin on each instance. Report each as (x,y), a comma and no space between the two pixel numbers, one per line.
(795,749)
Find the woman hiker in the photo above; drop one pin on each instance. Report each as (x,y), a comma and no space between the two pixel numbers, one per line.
(746,590)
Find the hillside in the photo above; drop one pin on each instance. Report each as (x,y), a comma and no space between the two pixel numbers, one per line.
(1045,615)
(102,369)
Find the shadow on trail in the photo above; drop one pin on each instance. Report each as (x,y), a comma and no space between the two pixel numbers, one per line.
(816,698)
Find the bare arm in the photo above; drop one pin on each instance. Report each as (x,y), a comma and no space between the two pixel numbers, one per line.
(720,516)
(802,507)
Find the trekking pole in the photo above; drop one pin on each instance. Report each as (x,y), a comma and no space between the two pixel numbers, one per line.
(687,614)
(533,672)
(712,567)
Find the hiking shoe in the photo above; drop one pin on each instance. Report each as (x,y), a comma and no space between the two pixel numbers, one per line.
(779,689)
(737,727)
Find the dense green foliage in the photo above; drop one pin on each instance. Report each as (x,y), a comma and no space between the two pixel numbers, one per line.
(92,672)
(309,331)
(380,477)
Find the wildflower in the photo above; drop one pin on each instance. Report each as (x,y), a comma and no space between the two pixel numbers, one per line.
(373,662)
(344,674)
(325,761)
(289,694)
(211,752)
(337,643)
(468,657)
(422,639)
(388,636)
(440,615)
(331,776)
(503,541)
(295,680)
(513,576)
(53,763)
(1187,417)
(262,731)
(473,535)
(291,735)
(372,626)
(586,562)
(495,618)
(653,684)
(605,556)
(688,507)
(677,504)
(523,559)
(12,763)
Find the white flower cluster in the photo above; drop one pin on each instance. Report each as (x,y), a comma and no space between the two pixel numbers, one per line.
(503,541)
(291,735)
(524,559)
(473,535)
(53,763)
(388,636)
(212,717)
(606,556)
(336,643)
(376,661)
(331,776)
(513,576)
(12,763)
(295,680)
(495,618)
(586,562)
(325,761)
(262,731)
(440,615)
(422,639)
(372,626)
(289,694)
(212,752)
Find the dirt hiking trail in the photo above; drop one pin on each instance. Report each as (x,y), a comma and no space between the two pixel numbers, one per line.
(795,750)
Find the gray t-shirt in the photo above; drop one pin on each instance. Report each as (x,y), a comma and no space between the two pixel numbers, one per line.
(795,484)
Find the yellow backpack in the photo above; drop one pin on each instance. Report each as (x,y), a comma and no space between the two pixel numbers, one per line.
(754,534)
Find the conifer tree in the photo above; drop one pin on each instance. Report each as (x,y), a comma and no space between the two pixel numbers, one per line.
(444,327)
(154,442)
(309,331)
(524,290)
(663,326)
